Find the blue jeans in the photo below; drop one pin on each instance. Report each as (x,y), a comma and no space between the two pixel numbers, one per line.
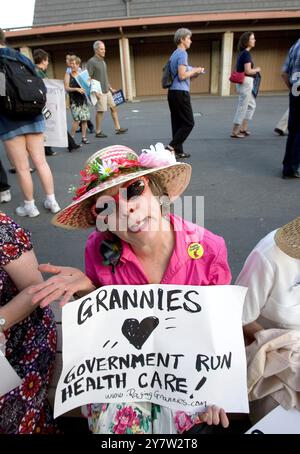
(291,159)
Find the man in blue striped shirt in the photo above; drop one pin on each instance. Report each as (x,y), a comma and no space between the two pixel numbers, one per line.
(291,77)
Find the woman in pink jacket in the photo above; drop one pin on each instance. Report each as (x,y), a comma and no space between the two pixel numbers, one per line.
(135,243)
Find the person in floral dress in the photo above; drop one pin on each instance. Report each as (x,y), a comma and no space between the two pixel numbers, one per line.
(30,334)
(153,248)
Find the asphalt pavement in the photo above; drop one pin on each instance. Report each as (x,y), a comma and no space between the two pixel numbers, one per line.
(244,196)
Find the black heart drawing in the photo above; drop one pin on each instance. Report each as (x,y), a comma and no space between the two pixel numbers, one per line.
(137,333)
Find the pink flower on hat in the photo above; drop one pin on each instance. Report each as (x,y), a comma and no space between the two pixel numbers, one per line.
(156,156)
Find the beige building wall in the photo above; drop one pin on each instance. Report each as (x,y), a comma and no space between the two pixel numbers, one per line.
(149,55)
(150,58)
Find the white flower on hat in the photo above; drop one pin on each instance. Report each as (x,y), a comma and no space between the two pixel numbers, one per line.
(107,167)
(156,156)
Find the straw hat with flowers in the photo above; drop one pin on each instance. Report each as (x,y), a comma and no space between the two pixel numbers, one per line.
(287,238)
(114,166)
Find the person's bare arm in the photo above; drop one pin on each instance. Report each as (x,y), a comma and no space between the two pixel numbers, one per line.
(183,74)
(250,330)
(65,283)
(67,85)
(251,71)
(24,273)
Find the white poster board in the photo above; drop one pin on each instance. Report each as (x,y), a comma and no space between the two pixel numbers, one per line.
(9,379)
(177,346)
(83,79)
(278,421)
(95,89)
(56,125)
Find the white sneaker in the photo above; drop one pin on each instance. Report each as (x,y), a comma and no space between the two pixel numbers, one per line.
(31,211)
(5,196)
(52,206)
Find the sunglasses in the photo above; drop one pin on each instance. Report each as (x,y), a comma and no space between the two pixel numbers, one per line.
(132,189)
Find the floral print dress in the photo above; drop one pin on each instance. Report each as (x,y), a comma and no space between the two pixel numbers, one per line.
(79,107)
(30,348)
(137,418)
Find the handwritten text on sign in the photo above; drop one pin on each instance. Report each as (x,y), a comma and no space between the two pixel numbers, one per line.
(178,346)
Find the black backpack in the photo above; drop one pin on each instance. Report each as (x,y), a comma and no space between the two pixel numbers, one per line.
(167,77)
(24,92)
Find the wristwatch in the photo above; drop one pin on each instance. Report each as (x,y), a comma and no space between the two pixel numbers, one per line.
(2,324)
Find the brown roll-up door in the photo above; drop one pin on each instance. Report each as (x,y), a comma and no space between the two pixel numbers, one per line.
(149,59)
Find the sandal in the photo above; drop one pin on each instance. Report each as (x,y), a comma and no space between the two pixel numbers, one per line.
(238,136)
(245,132)
(85,140)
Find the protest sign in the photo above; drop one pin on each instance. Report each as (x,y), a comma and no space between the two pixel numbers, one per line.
(278,421)
(165,344)
(55,134)
(83,79)
(95,89)
(119,97)
(8,377)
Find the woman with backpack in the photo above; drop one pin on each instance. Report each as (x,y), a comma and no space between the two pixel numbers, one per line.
(24,139)
(179,100)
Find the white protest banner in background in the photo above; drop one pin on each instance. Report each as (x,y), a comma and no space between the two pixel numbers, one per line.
(9,378)
(278,421)
(56,123)
(177,346)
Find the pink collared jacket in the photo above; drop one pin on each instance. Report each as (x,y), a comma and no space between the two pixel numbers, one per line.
(183,269)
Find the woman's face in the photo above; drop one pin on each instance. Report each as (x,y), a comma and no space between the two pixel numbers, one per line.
(73,65)
(187,41)
(130,211)
(252,40)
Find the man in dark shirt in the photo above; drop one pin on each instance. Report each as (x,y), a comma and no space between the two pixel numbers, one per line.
(97,69)
(291,77)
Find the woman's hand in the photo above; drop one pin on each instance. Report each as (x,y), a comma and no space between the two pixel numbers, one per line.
(81,91)
(66,282)
(214,415)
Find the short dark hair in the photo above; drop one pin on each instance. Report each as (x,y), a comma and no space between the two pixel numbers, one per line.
(39,55)
(244,41)
(2,37)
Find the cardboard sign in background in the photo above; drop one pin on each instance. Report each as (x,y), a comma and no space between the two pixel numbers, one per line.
(55,134)
(278,421)
(119,97)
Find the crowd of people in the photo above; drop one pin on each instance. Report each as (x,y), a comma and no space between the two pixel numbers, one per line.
(147,251)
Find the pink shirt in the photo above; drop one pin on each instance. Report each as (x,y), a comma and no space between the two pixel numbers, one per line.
(211,269)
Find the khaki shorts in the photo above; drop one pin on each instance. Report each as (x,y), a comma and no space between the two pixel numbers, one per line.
(106,100)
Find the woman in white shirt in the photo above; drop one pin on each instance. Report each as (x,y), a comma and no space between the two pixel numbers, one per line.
(272,275)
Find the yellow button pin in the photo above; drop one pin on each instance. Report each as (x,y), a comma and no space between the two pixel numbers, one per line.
(195,251)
